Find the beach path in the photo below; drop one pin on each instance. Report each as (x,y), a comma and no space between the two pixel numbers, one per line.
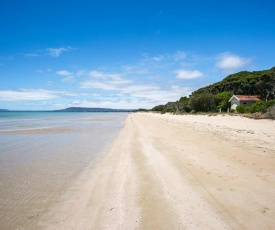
(177,172)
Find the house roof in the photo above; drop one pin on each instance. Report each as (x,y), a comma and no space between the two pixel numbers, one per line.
(245,97)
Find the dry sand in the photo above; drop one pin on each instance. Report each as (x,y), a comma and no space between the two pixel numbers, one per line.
(177,172)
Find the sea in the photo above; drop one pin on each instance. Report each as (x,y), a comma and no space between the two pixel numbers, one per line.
(42,153)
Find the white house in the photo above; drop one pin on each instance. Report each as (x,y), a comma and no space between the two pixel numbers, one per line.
(246,100)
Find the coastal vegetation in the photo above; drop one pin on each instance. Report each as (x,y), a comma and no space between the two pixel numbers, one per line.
(215,97)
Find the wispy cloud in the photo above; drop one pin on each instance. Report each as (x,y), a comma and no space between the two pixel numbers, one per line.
(126,91)
(134,82)
(53,52)
(56,52)
(31,95)
(157,58)
(154,93)
(188,74)
(136,69)
(31,55)
(179,55)
(64,73)
(151,80)
(132,97)
(68,76)
(175,57)
(229,62)
(103,75)
(98,85)
(104,81)
(116,104)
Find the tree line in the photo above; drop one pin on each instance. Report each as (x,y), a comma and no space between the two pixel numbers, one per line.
(215,97)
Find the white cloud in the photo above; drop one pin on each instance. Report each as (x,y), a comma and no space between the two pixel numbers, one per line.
(230,62)
(31,95)
(188,74)
(26,95)
(158,58)
(139,88)
(145,83)
(117,104)
(179,55)
(90,84)
(104,81)
(56,52)
(128,94)
(68,79)
(136,69)
(98,74)
(141,99)
(81,72)
(49,83)
(134,92)
(155,94)
(64,73)
(68,76)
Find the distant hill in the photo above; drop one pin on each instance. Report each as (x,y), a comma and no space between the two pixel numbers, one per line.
(4,110)
(81,109)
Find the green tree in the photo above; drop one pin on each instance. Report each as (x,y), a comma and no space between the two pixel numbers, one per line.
(184,100)
(205,102)
(183,104)
(224,98)
(249,83)
(158,108)
(266,86)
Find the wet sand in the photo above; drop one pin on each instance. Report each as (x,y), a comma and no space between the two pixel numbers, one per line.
(176,172)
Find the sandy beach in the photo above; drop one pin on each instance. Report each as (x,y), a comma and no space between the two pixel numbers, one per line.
(176,172)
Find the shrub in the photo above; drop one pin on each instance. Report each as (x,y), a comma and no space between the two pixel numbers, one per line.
(258,106)
(261,106)
(270,103)
(242,109)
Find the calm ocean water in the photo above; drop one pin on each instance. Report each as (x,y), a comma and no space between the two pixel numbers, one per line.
(41,153)
(11,121)
(31,133)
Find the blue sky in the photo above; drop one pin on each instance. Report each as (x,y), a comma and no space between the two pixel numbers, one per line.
(126,54)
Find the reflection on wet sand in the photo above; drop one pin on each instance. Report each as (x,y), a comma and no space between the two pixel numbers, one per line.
(38,164)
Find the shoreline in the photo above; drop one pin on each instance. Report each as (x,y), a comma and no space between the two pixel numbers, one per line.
(42,157)
(176,172)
